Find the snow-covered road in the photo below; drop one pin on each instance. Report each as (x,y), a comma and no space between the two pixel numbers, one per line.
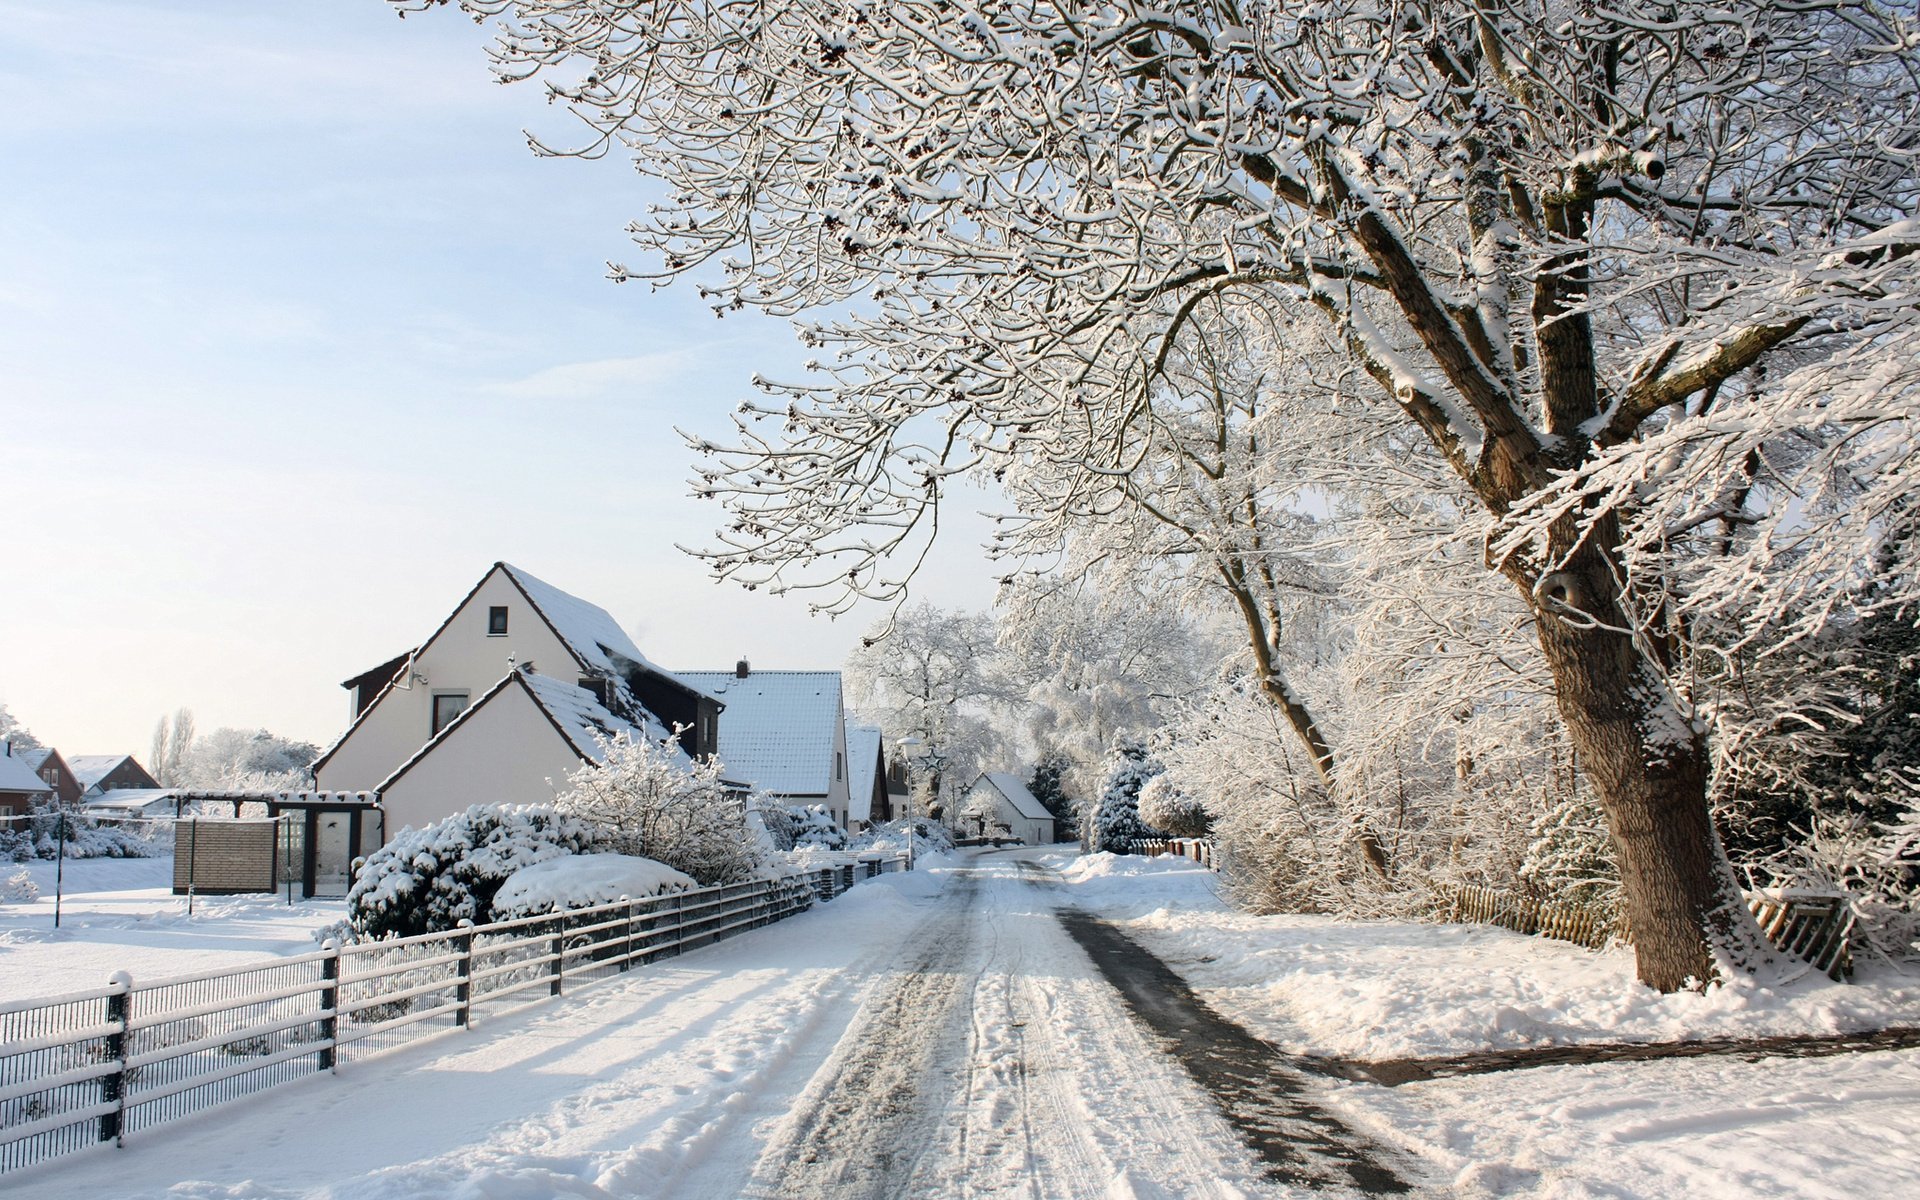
(934,1034)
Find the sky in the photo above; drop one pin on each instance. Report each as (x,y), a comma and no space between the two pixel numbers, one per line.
(297,337)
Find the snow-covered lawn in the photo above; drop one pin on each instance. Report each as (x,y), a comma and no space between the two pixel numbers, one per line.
(1841,1127)
(1395,989)
(120,914)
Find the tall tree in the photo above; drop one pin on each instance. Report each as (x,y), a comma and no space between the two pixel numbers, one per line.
(11,730)
(1542,228)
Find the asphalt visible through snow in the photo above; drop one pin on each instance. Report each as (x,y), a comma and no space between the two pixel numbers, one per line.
(1021,1048)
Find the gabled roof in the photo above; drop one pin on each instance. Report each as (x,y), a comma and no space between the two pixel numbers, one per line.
(90,769)
(573,712)
(17,776)
(778,729)
(35,758)
(863,768)
(1016,792)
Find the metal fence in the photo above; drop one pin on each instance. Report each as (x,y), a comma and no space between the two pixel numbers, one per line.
(97,1066)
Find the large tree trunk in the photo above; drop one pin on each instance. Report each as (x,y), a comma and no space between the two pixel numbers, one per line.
(1650,767)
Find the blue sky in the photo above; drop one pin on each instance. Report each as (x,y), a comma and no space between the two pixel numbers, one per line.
(297,337)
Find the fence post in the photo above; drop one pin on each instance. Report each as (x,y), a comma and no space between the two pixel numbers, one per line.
(330,1004)
(559,961)
(113,1088)
(463,990)
(626,942)
(846,878)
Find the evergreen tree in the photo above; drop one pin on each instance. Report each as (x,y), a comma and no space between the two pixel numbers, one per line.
(1116,819)
(1047,788)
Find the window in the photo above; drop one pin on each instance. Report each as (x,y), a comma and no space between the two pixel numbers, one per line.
(839,765)
(497,621)
(447,706)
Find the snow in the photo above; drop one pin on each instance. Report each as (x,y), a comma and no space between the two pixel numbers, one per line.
(589,630)
(584,880)
(863,764)
(581,717)
(1017,795)
(17,776)
(937,1034)
(90,769)
(1395,989)
(779,728)
(120,914)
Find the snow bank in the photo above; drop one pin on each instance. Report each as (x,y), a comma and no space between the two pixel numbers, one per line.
(1393,989)
(582,881)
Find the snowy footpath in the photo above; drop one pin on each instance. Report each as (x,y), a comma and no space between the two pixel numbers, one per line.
(943,1034)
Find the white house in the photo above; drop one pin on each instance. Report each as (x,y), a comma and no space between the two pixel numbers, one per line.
(784,733)
(868,801)
(502,701)
(998,800)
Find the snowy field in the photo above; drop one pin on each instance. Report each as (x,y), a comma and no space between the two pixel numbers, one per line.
(938,1034)
(120,914)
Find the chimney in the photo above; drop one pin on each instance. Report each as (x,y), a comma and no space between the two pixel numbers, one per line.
(740,670)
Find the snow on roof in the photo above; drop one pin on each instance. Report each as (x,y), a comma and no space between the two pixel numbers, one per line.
(587,628)
(863,763)
(132,798)
(778,728)
(17,776)
(35,758)
(1016,792)
(581,717)
(90,769)
(573,710)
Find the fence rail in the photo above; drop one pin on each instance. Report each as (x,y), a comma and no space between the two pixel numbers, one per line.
(1812,925)
(96,1066)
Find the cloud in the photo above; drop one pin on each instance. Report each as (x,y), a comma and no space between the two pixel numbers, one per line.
(632,377)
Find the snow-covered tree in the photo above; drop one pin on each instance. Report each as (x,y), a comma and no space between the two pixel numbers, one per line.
(1543,230)
(1114,822)
(1046,785)
(1173,812)
(934,674)
(172,742)
(11,730)
(643,799)
(245,760)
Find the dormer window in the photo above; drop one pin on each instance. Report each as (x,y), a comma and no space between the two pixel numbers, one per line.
(497,621)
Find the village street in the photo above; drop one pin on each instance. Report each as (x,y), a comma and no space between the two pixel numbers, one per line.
(932,1034)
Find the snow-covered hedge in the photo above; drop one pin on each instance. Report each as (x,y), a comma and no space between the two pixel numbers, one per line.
(1175,813)
(39,837)
(583,881)
(428,880)
(890,837)
(802,827)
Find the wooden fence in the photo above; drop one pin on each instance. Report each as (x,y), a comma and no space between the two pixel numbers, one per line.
(1200,850)
(97,1066)
(1812,925)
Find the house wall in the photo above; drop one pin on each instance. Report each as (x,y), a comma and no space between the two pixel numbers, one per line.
(129,774)
(837,793)
(461,657)
(1032,831)
(504,753)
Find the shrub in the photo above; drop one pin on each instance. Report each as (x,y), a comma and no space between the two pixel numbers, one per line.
(890,837)
(1165,807)
(19,888)
(429,880)
(644,799)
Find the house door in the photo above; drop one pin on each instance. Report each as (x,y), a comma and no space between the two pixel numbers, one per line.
(332,853)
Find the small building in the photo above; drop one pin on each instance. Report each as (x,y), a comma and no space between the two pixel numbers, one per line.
(99,774)
(999,804)
(784,733)
(21,790)
(49,766)
(868,800)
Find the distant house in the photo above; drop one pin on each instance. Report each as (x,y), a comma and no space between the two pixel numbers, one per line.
(784,733)
(999,801)
(868,801)
(502,702)
(99,774)
(142,803)
(50,767)
(20,789)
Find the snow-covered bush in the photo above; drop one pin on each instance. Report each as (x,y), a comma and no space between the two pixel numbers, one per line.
(814,828)
(18,888)
(39,837)
(431,879)
(1165,807)
(583,881)
(890,837)
(1115,821)
(1877,865)
(646,800)
(1570,856)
